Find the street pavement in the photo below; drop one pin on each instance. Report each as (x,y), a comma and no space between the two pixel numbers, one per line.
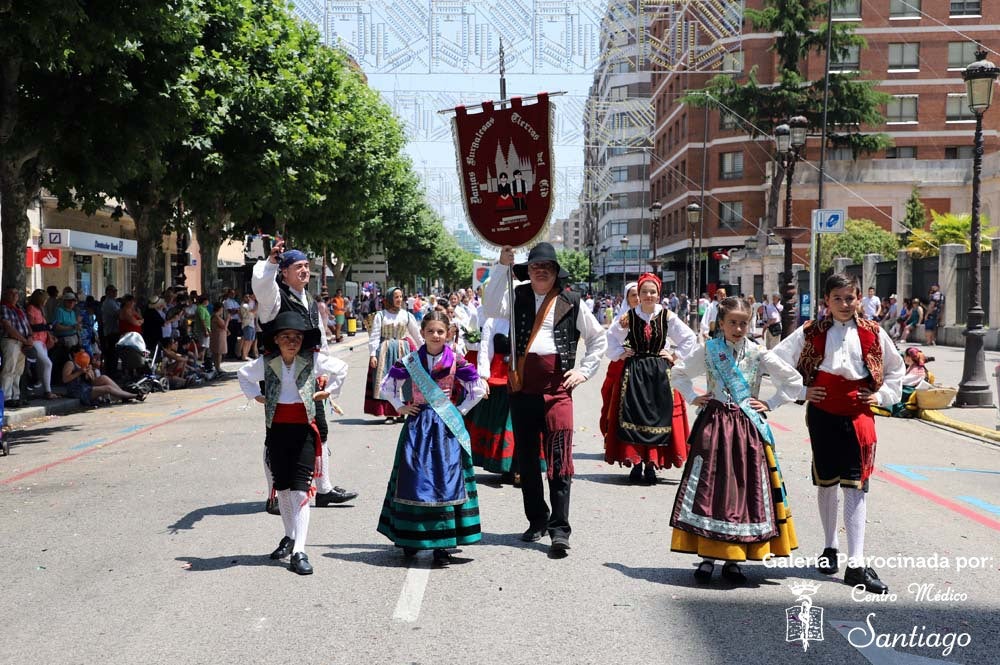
(135,534)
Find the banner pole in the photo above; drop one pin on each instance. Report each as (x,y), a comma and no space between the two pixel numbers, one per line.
(510,269)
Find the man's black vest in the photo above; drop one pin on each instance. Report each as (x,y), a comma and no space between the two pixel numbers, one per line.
(291,303)
(566,306)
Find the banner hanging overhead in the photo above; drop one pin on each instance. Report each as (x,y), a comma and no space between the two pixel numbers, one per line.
(505,164)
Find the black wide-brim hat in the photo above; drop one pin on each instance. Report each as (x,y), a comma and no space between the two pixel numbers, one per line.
(311,338)
(543,252)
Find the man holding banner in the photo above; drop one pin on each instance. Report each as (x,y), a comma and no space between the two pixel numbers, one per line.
(548,323)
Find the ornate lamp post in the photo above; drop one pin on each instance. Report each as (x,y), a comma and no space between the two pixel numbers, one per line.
(654,262)
(590,268)
(604,267)
(694,223)
(974,389)
(624,243)
(789,139)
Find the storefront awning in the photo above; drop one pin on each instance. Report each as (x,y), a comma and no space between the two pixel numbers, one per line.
(89,243)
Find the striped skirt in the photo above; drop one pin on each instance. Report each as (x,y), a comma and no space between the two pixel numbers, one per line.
(491,433)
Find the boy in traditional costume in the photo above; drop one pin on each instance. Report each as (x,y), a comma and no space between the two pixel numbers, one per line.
(291,401)
(848,364)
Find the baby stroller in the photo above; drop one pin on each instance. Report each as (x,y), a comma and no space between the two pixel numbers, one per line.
(138,368)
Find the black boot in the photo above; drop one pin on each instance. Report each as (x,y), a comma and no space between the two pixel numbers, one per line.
(635,476)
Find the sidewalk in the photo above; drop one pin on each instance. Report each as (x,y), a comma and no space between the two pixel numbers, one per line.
(41,408)
(947,369)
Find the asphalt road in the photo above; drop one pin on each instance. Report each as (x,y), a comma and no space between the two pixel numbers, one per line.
(135,534)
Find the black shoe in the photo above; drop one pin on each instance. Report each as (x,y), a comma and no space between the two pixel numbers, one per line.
(442,559)
(635,476)
(649,475)
(300,564)
(559,545)
(507,478)
(827,562)
(410,552)
(284,548)
(865,577)
(533,534)
(271,506)
(336,495)
(732,573)
(703,574)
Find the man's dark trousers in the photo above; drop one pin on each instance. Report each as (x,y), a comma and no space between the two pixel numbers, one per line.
(528,419)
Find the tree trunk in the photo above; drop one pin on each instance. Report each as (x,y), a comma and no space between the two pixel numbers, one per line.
(209,240)
(14,225)
(149,241)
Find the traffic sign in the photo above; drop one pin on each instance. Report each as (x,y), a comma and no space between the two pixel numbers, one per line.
(829,220)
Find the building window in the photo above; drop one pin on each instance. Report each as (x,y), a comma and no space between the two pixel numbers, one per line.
(732,61)
(848,61)
(730,214)
(959,152)
(901,109)
(622,67)
(961,54)
(618,93)
(904,8)
(958,108)
(849,8)
(731,165)
(901,152)
(842,153)
(904,56)
(966,8)
(619,174)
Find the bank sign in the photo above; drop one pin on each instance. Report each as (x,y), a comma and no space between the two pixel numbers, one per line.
(90,243)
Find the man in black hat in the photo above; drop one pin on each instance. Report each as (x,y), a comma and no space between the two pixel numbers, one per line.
(289,371)
(286,292)
(548,323)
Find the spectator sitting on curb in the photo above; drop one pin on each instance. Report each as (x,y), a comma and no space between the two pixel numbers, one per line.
(82,381)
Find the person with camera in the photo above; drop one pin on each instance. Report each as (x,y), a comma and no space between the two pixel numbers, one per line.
(772,322)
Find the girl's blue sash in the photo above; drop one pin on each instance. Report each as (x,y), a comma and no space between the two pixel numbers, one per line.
(437,400)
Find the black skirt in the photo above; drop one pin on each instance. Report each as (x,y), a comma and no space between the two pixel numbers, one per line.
(646,407)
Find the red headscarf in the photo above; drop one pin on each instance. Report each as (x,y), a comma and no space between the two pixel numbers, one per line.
(650,277)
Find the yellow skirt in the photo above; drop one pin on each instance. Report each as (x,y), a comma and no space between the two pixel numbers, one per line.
(780,545)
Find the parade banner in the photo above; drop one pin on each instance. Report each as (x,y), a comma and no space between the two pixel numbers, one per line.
(505,165)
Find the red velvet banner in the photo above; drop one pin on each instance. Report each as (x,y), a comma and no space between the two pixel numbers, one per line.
(505,163)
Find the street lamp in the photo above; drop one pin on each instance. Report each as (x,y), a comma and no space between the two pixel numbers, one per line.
(694,222)
(974,389)
(590,268)
(789,139)
(624,243)
(655,262)
(604,267)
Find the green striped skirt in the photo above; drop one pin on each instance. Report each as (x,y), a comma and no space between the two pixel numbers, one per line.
(430,527)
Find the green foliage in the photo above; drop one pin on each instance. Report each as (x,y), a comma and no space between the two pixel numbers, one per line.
(862,236)
(575,263)
(948,229)
(915,216)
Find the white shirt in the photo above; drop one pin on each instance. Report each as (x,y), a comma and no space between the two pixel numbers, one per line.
(785,378)
(400,316)
(711,314)
(391,388)
(679,335)
(265,290)
(870,305)
(495,305)
(772,313)
(843,358)
(229,304)
(334,369)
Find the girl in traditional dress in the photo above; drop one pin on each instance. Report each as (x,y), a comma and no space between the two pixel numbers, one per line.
(611,388)
(490,430)
(432,501)
(647,421)
(387,343)
(731,503)
(290,376)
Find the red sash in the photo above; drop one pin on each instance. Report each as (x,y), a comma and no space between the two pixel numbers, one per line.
(842,400)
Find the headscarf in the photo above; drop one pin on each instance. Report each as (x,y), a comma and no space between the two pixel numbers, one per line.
(917,356)
(650,277)
(291,257)
(387,298)
(624,305)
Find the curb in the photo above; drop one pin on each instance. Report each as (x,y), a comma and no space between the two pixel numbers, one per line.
(938,418)
(56,407)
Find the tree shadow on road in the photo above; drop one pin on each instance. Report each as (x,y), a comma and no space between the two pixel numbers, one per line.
(594,456)
(25,437)
(757,575)
(382,556)
(223,510)
(618,478)
(199,564)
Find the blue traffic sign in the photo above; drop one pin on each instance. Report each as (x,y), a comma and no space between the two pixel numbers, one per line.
(829,220)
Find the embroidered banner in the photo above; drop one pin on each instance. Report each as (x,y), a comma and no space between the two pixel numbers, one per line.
(505,165)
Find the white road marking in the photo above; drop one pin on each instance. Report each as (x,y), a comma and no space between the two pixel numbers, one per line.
(412,595)
(881,655)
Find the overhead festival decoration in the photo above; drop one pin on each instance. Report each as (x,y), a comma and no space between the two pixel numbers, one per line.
(505,165)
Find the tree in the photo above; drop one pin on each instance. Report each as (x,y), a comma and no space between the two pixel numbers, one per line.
(915,216)
(73,112)
(575,263)
(861,237)
(948,229)
(853,103)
